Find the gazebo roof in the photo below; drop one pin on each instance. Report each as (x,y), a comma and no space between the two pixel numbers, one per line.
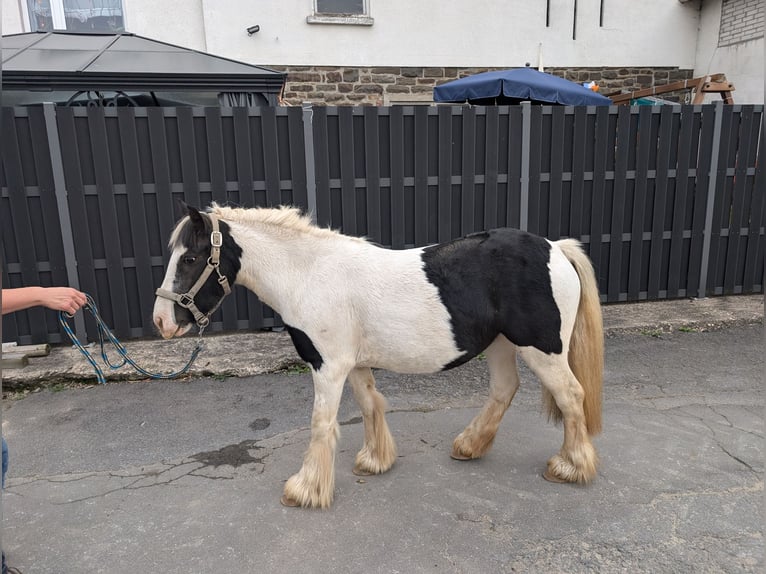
(74,61)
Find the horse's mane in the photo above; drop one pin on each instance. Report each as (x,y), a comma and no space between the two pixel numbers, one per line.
(287,218)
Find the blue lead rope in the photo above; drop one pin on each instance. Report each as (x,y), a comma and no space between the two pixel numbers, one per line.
(104,335)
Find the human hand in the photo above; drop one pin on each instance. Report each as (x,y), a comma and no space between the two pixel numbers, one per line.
(64,299)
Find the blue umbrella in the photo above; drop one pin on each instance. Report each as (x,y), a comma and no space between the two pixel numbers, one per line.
(514,86)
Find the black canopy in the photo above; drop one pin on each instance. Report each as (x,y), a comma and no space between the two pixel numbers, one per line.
(61,61)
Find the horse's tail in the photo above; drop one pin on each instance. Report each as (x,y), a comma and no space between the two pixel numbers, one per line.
(586,346)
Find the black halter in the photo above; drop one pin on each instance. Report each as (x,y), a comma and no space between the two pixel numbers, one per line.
(213,262)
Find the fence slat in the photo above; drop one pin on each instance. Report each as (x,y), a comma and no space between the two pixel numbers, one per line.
(756,220)
(20,216)
(639,201)
(737,216)
(322,167)
(396,120)
(468,177)
(619,193)
(372,169)
(270,147)
(421,175)
(535,165)
(680,201)
(603,141)
(77,210)
(661,191)
(138,217)
(556,185)
(215,154)
(445,174)
(576,224)
(492,147)
(721,204)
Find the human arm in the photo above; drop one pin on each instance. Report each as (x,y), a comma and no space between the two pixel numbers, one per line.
(56,298)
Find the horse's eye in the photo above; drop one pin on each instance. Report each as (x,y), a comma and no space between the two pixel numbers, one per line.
(188,259)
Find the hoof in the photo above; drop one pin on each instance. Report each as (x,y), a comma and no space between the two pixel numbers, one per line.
(550,477)
(459,456)
(290,502)
(359,471)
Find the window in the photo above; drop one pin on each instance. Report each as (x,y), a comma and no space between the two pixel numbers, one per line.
(76,15)
(355,12)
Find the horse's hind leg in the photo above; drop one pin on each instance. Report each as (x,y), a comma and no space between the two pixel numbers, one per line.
(479,435)
(379,450)
(577,459)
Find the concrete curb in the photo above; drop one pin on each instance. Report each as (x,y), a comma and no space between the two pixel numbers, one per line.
(248,354)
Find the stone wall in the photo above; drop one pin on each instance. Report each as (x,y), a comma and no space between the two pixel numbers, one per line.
(377,86)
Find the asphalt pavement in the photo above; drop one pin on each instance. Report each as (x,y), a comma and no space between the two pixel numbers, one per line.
(185,476)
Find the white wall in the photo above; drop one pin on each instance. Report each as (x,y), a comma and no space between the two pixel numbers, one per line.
(460,34)
(424,32)
(742,63)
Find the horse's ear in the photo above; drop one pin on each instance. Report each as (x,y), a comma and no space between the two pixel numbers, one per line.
(181,208)
(198,221)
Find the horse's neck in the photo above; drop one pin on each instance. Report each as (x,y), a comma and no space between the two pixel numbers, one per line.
(275,263)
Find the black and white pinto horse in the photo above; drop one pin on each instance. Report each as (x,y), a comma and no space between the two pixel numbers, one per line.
(351,306)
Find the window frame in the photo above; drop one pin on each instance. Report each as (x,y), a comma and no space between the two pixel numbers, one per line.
(363,19)
(58,17)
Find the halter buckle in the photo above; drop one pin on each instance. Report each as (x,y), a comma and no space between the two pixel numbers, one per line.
(186,300)
(216,239)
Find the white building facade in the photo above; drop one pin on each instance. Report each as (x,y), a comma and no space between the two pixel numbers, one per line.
(369,51)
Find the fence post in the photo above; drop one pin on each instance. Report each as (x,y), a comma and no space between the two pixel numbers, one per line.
(526,135)
(59,188)
(710,206)
(308,145)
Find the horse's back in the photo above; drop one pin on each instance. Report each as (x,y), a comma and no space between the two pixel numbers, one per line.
(499,281)
(439,306)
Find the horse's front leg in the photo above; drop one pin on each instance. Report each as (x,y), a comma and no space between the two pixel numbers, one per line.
(379,450)
(312,486)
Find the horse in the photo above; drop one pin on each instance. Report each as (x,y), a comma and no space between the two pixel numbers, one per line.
(350,306)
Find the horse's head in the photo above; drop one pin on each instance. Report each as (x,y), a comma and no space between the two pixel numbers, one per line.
(204,262)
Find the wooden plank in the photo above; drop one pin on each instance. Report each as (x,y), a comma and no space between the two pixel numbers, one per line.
(298,177)
(645,144)
(322,166)
(576,223)
(166,209)
(14,361)
(737,216)
(661,191)
(535,166)
(372,169)
(138,217)
(619,192)
(722,204)
(215,150)
(603,140)
(492,147)
(243,145)
(188,155)
(81,224)
(270,147)
(396,150)
(697,84)
(513,193)
(556,185)
(756,217)
(467,172)
(445,173)
(48,204)
(706,120)
(421,176)
(686,149)
(109,227)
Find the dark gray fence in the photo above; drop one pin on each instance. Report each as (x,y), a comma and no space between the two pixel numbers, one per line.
(668,200)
